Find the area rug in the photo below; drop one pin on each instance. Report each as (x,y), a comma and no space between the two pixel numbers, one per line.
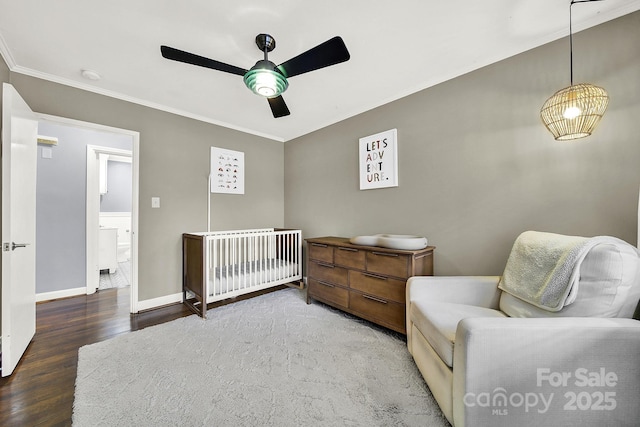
(272,360)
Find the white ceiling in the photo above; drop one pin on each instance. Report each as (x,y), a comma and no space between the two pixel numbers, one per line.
(397,48)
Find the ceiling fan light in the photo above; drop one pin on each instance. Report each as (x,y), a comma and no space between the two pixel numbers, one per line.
(575,111)
(265,82)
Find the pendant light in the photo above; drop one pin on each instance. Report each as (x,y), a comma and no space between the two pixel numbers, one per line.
(575,111)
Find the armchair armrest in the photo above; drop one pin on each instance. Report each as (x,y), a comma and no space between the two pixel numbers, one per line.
(546,371)
(481,291)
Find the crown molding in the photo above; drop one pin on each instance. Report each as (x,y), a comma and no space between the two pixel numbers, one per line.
(6,54)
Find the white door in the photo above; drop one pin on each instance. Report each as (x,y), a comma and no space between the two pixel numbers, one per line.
(19,156)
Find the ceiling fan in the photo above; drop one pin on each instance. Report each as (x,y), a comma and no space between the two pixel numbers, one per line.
(265,78)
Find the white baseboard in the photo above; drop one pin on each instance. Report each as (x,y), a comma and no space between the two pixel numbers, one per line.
(65,293)
(142,305)
(149,304)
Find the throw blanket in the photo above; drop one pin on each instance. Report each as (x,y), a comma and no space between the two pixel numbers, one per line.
(543,269)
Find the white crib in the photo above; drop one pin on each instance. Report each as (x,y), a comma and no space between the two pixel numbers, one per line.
(225,264)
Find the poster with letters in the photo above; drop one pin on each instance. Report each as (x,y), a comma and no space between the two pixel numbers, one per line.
(378,158)
(227,171)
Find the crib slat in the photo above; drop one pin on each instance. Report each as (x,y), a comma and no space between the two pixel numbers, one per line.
(244,261)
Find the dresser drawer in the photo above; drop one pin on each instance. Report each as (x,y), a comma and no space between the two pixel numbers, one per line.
(385,312)
(379,286)
(328,292)
(328,273)
(321,252)
(350,257)
(388,264)
(366,281)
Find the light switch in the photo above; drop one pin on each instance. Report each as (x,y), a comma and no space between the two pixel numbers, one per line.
(47,153)
(155,202)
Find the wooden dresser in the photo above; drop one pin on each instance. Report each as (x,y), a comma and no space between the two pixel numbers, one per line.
(367,281)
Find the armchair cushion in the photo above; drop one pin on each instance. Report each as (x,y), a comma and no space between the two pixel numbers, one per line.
(438,322)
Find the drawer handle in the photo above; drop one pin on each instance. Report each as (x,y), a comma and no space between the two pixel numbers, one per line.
(319,245)
(385,254)
(321,264)
(374,276)
(374,299)
(328,285)
(348,249)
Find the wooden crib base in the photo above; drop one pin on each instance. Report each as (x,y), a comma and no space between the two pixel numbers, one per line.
(196,306)
(241,263)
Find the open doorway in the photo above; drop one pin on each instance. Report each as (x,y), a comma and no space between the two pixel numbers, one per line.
(69,218)
(109,203)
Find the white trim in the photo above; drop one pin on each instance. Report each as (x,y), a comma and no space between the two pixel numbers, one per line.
(86,125)
(92,221)
(135,170)
(149,304)
(135,209)
(6,53)
(108,150)
(115,158)
(65,293)
(115,214)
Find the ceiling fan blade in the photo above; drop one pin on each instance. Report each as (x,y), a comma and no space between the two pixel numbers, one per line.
(278,107)
(331,52)
(190,58)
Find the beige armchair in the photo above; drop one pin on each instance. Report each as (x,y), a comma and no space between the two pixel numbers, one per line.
(492,358)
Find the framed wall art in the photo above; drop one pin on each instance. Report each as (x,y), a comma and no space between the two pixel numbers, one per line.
(378,158)
(227,171)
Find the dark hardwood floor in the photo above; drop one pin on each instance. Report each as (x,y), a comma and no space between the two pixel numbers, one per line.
(40,390)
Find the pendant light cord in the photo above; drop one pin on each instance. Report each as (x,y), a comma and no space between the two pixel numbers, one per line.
(571,36)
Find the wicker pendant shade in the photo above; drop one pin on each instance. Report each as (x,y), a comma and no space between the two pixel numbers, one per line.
(575,111)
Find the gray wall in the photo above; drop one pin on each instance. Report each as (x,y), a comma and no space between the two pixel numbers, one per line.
(4,72)
(476,165)
(119,185)
(61,205)
(174,165)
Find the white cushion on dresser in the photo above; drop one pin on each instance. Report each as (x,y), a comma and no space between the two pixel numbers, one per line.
(392,241)
(438,322)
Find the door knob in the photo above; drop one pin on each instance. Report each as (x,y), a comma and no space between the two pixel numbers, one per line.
(15,245)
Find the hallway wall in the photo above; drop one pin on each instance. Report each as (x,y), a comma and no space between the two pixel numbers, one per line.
(61,205)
